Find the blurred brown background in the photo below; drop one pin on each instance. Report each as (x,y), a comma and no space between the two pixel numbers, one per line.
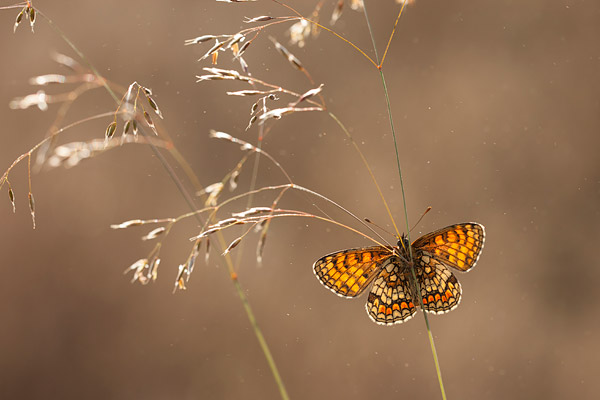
(497,109)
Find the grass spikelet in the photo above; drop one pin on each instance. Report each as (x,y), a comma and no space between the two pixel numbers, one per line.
(153,234)
(232,245)
(32,208)
(11,196)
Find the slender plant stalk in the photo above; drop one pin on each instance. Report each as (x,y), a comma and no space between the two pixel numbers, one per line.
(364,160)
(391,121)
(190,201)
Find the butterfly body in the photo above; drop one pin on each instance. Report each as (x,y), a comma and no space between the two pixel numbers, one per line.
(393,297)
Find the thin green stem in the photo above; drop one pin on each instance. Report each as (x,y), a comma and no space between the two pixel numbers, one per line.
(394,136)
(261,340)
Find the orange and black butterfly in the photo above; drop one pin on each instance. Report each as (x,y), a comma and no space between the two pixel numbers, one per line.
(393,298)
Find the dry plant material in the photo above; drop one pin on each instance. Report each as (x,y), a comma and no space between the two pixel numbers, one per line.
(292,59)
(32,208)
(11,196)
(28,12)
(153,234)
(337,12)
(110,130)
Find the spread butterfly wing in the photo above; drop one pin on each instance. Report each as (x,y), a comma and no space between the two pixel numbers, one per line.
(390,300)
(349,272)
(458,246)
(440,289)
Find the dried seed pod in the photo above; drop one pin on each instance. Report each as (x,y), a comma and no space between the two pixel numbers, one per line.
(179,281)
(150,123)
(252,120)
(262,18)
(148,119)
(201,78)
(19,19)
(127,224)
(212,50)
(199,39)
(207,254)
(32,208)
(282,50)
(252,211)
(154,106)
(153,269)
(206,233)
(260,247)
(244,65)
(233,180)
(32,15)
(219,135)
(110,130)
(243,48)
(154,233)
(224,222)
(232,245)
(11,196)
(245,93)
(236,39)
(190,265)
(310,93)
(295,62)
(126,127)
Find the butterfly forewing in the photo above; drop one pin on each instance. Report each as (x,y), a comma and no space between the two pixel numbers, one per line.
(349,272)
(457,246)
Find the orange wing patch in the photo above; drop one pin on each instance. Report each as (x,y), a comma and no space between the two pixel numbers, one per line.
(348,273)
(458,246)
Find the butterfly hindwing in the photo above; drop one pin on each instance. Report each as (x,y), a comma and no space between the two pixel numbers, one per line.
(390,300)
(349,272)
(440,290)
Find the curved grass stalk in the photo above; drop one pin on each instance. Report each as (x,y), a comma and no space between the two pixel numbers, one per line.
(28,154)
(291,184)
(189,200)
(328,30)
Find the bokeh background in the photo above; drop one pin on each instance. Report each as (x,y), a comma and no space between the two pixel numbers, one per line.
(497,109)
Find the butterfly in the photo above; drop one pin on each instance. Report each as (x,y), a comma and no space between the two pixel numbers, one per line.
(387,270)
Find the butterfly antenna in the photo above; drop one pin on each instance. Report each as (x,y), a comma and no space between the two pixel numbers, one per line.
(422,215)
(367,220)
